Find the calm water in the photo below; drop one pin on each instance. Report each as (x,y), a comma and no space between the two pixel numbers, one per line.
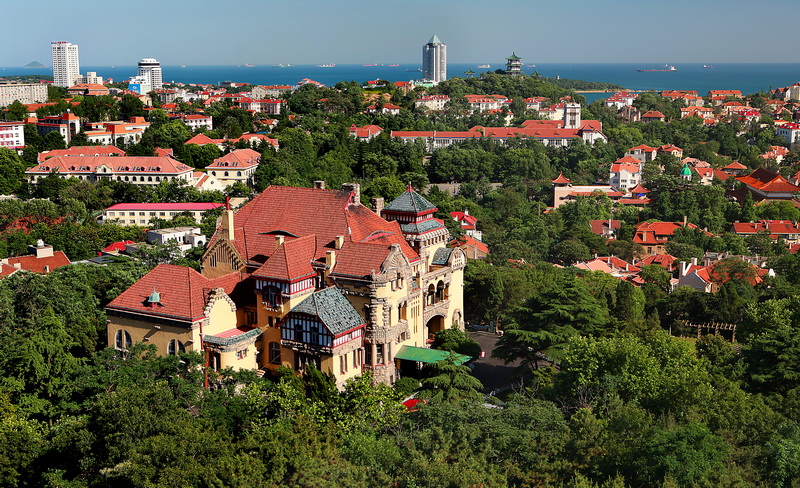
(747,77)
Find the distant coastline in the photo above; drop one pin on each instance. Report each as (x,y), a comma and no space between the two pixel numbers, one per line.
(747,77)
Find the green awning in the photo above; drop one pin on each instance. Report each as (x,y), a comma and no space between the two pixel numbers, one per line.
(425,355)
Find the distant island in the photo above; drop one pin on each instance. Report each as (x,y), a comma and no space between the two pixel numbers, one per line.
(34,64)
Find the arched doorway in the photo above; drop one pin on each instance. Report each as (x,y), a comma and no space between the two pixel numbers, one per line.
(434,325)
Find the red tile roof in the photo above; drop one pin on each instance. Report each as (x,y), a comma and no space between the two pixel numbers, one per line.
(765,181)
(561,179)
(40,265)
(297,212)
(82,151)
(240,159)
(183,292)
(291,261)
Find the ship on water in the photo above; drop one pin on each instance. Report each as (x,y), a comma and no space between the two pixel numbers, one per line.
(708,66)
(283,66)
(667,67)
(326,65)
(484,66)
(369,65)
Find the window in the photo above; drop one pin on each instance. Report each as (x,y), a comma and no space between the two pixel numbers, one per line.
(272,296)
(368,355)
(274,353)
(122,340)
(355,357)
(174,347)
(252,317)
(241,354)
(379,358)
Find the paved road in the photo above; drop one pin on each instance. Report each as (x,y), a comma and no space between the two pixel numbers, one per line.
(493,373)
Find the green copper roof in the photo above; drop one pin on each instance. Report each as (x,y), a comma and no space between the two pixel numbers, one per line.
(435,40)
(469,72)
(513,57)
(424,355)
(410,201)
(332,308)
(685,171)
(422,227)
(441,256)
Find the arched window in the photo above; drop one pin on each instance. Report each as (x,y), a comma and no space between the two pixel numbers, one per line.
(175,346)
(238,173)
(226,173)
(123,340)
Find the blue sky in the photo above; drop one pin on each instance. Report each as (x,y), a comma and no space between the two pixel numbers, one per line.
(346,31)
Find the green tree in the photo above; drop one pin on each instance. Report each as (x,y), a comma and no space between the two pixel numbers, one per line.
(449,382)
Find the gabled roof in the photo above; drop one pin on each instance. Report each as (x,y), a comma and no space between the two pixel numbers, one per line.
(410,202)
(768,181)
(332,309)
(239,159)
(291,261)
(561,179)
(183,293)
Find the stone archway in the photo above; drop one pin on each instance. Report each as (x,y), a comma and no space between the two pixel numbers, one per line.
(434,325)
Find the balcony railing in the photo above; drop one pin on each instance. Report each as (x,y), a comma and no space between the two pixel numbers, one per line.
(437,308)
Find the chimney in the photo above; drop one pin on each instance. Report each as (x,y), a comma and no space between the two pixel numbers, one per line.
(685,220)
(694,261)
(377,205)
(319,184)
(226,226)
(41,250)
(683,269)
(353,188)
(338,242)
(278,241)
(330,261)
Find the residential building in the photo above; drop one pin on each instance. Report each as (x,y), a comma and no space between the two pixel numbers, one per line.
(564,191)
(24,93)
(87,89)
(82,151)
(434,60)
(365,133)
(272,91)
(139,170)
(12,135)
(766,185)
(150,73)
(185,237)
(91,78)
(471,247)
(197,121)
(653,236)
(432,102)
(42,259)
(708,279)
(66,65)
(725,93)
(620,99)
(643,153)
(235,167)
(303,276)
(790,131)
(67,124)
(605,228)
(468,224)
(630,113)
(653,116)
(787,230)
(140,213)
(625,173)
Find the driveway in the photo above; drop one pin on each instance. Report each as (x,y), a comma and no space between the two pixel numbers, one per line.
(493,373)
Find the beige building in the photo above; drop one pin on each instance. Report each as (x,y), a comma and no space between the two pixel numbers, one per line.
(25,93)
(312,276)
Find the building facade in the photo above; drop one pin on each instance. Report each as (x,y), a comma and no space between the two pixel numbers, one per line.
(66,65)
(25,93)
(12,135)
(141,213)
(434,60)
(312,276)
(150,72)
(139,170)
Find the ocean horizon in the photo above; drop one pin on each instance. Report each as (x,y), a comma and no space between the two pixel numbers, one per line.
(747,77)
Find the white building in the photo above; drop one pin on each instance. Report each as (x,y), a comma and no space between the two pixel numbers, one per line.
(90,78)
(138,170)
(432,102)
(66,66)
(625,173)
(140,213)
(434,60)
(25,93)
(236,166)
(12,135)
(150,69)
(790,131)
(186,237)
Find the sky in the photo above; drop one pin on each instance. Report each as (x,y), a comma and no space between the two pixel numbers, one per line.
(203,32)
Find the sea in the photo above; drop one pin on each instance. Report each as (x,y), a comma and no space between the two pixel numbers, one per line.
(747,77)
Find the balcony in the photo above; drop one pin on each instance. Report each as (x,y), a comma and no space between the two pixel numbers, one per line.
(437,308)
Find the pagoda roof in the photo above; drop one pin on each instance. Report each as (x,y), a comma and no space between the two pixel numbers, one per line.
(514,57)
(561,179)
(639,189)
(411,202)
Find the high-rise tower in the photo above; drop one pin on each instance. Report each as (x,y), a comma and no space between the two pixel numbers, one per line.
(66,67)
(434,60)
(150,69)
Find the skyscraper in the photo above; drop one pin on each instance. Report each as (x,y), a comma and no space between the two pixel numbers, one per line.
(434,60)
(150,70)
(66,67)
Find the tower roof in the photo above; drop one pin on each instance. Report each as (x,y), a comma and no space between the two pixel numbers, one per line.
(435,40)
(411,202)
(513,57)
(685,171)
(332,308)
(561,179)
